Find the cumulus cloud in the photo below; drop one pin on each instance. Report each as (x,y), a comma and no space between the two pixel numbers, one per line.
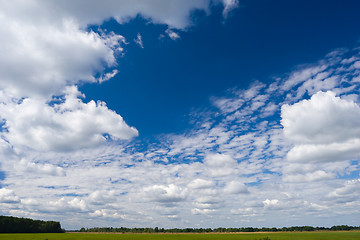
(235,187)
(8,196)
(332,119)
(101,197)
(165,194)
(64,204)
(46,47)
(272,204)
(323,128)
(68,125)
(332,152)
(173,13)
(39,61)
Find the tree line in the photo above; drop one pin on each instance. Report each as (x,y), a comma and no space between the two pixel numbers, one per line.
(26,225)
(217,230)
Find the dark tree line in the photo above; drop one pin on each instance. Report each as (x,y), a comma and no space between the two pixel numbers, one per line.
(215,230)
(26,225)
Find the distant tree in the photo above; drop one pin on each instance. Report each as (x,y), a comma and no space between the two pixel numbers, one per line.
(220,229)
(26,225)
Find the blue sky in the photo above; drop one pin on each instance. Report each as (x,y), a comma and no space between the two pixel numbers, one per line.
(180,113)
(166,78)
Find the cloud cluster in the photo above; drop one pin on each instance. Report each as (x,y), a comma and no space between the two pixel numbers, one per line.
(255,151)
(46,47)
(69,125)
(235,165)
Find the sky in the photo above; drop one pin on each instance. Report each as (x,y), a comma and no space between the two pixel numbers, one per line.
(174,114)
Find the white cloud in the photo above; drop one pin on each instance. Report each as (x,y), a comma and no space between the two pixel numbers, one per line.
(173,35)
(318,175)
(8,196)
(273,202)
(324,128)
(165,194)
(45,48)
(332,152)
(229,5)
(139,41)
(107,214)
(204,170)
(77,203)
(102,197)
(39,61)
(302,75)
(65,204)
(220,164)
(201,184)
(351,189)
(202,211)
(69,125)
(108,76)
(49,169)
(235,187)
(245,212)
(332,119)
(173,13)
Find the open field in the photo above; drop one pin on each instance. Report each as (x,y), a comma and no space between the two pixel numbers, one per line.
(352,235)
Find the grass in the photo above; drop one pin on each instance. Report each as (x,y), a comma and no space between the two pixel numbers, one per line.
(326,235)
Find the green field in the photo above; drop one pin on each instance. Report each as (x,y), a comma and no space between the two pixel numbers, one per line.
(352,235)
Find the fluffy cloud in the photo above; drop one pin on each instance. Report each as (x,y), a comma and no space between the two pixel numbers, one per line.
(271,203)
(68,125)
(323,119)
(332,152)
(101,197)
(165,194)
(46,47)
(324,128)
(234,187)
(39,61)
(44,50)
(64,204)
(8,196)
(173,13)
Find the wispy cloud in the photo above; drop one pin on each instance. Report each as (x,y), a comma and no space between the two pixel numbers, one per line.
(138,40)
